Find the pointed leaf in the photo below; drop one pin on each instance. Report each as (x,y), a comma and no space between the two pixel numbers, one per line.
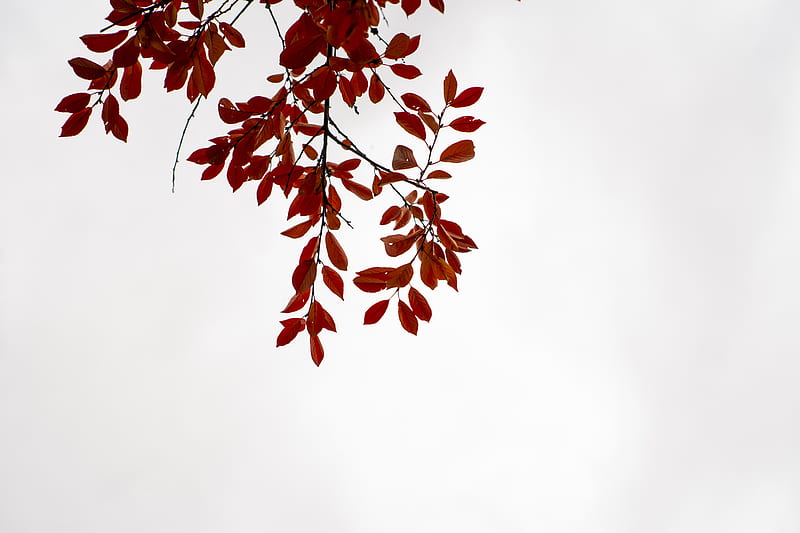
(419,305)
(103,42)
(468,97)
(407,318)
(73,103)
(88,70)
(376,312)
(335,251)
(458,152)
(403,158)
(333,281)
(75,123)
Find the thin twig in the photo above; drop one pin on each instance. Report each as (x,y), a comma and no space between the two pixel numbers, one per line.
(180,143)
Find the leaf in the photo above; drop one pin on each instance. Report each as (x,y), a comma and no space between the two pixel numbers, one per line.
(458,152)
(317,352)
(466,124)
(232,35)
(375,312)
(291,327)
(359,190)
(297,302)
(88,70)
(131,85)
(127,54)
(229,113)
(408,72)
(103,42)
(275,78)
(409,6)
(398,46)
(333,281)
(407,318)
(439,175)
(400,277)
(390,214)
(403,158)
(369,283)
(203,74)
(335,251)
(76,122)
(73,103)
(411,123)
(415,102)
(304,275)
(196,8)
(264,190)
(419,305)
(376,89)
(468,97)
(450,87)
(295,232)
(119,129)
(438,4)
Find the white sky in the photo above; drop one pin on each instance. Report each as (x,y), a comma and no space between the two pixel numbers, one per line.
(622,356)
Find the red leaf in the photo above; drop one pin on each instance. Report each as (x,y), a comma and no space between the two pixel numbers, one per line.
(229,112)
(203,74)
(376,89)
(400,277)
(468,97)
(359,190)
(415,102)
(275,78)
(335,251)
(127,54)
(409,6)
(291,327)
(196,8)
(466,124)
(301,52)
(391,177)
(295,232)
(408,72)
(450,87)
(88,70)
(102,42)
(304,275)
(411,123)
(458,152)
(317,352)
(439,175)
(333,281)
(369,283)
(438,4)
(73,103)
(119,129)
(297,302)
(407,318)
(212,171)
(403,158)
(75,123)
(376,312)
(232,34)
(398,46)
(264,190)
(348,165)
(131,85)
(419,305)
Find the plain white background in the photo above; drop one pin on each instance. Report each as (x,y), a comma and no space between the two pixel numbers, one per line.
(622,356)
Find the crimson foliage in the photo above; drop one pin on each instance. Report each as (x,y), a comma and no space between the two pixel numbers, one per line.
(333,57)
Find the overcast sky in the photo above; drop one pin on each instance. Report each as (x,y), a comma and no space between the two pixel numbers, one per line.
(622,356)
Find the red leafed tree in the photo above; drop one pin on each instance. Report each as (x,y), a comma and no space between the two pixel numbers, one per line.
(288,140)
